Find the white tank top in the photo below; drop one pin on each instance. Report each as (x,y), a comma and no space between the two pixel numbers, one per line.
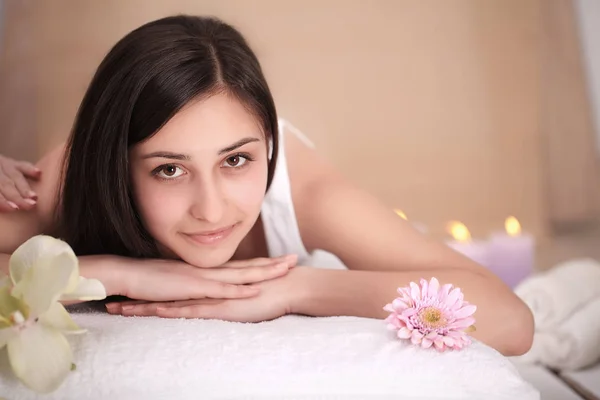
(279,217)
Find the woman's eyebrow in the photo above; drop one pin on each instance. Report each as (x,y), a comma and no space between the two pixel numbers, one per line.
(186,157)
(238,144)
(168,154)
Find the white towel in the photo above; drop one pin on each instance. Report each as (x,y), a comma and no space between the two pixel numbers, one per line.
(556,294)
(292,357)
(573,345)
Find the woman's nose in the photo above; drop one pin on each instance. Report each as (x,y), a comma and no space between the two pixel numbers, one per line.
(208,204)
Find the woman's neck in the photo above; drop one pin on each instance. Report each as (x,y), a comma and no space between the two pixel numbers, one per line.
(254,245)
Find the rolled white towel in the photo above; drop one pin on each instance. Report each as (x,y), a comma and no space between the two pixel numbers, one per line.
(573,345)
(554,295)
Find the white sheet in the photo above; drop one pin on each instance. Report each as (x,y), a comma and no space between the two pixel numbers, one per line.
(125,358)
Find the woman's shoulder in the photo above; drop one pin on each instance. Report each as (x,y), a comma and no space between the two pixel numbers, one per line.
(312,179)
(19,226)
(308,169)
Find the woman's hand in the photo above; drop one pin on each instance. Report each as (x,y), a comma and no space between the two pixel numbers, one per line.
(169,280)
(15,192)
(274,300)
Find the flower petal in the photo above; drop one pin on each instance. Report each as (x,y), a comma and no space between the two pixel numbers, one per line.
(432,335)
(417,334)
(439,343)
(462,323)
(404,333)
(415,292)
(426,343)
(28,254)
(424,288)
(443,293)
(4,322)
(6,334)
(40,357)
(409,312)
(44,283)
(58,318)
(393,322)
(466,311)
(8,303)
(399,305)
(434,287)
(448,341)
(459,301)
(453,297)
(86,290)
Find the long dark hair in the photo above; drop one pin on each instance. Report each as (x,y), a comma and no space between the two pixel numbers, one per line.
(145,79)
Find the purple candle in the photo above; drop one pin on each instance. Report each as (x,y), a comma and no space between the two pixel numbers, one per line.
(476,250)
(512,253)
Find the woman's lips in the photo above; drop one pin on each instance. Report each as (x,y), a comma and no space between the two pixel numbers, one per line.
(211,237)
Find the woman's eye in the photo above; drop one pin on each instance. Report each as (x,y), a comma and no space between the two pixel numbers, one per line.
(236,161)
(169,172)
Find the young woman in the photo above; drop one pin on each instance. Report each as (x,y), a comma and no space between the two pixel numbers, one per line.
(179,190)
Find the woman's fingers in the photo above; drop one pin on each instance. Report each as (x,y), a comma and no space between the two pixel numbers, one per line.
(5,205)
(204,311)
(29,170)
(246,275)
(205,291)
(204,308)
(261,261)
(219,290)
(22,185)
(9,191)
(15,190)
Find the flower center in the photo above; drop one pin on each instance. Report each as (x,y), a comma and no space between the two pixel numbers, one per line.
(17,318)
(432,317)
(18,321)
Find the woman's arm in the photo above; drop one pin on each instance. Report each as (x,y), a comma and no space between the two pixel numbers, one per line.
(384,252)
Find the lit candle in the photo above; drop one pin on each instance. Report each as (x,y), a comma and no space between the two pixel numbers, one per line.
(417,225)
(512,253)
(476,250)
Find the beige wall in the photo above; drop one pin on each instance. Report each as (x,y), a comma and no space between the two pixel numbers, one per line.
(432,105)
(571,155)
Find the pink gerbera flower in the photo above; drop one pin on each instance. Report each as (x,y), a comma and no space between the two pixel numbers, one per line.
(431,315)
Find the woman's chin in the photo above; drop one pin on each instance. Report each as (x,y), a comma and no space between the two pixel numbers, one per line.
(212,259)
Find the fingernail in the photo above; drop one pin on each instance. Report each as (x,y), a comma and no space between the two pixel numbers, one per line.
(112,307)
(13,205)
(31,194)
(127,308)
(30,201)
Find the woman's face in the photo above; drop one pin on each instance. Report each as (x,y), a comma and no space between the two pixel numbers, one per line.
(200,181)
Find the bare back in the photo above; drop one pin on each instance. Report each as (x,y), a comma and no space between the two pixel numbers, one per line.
(17,227)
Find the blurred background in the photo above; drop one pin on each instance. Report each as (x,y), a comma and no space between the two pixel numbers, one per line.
(447,110)
(468,110)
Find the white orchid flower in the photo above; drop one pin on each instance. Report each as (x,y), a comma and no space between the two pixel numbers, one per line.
(43,271)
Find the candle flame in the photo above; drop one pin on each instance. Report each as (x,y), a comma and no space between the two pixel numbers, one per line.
(459,231)
(512,226)
(400,214)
